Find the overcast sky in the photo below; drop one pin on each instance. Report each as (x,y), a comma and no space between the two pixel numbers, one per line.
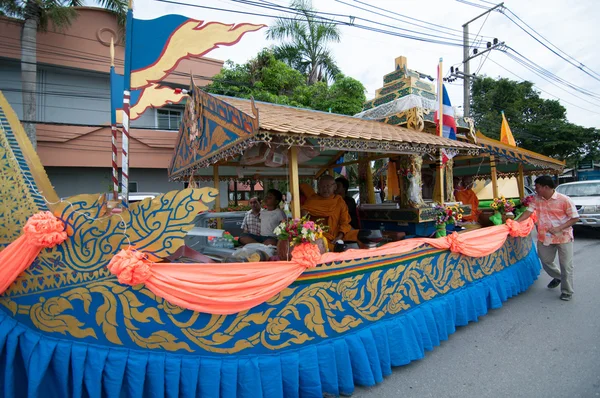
(572,26)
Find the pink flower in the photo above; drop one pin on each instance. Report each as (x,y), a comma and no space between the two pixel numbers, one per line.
(310,225)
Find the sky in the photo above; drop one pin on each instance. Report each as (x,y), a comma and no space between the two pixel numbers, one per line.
(367,56)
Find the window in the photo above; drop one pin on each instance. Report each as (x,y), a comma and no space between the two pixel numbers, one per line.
(168,119)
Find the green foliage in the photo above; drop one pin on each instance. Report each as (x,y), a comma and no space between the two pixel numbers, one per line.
(537,124)
(270,80)
(306,49)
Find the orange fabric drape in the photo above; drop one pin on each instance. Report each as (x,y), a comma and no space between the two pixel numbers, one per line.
(231,288)
(214,288)
(393,188)
(42,230)
(469,197)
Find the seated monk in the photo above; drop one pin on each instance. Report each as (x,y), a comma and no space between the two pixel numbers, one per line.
(331,210)
(467,196)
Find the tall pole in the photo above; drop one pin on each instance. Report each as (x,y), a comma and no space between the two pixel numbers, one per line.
(466,58)
(467,70)
(126,98)
(438,191)
(113,125)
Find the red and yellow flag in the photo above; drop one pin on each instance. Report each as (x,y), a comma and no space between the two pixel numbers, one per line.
(506,136)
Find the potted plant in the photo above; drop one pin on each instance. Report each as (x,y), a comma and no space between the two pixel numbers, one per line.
(299,231)
(503,209)
(445,215)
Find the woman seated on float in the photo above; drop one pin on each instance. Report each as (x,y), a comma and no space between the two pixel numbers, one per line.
(259,224)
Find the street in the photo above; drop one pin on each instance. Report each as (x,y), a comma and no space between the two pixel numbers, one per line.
(534,346)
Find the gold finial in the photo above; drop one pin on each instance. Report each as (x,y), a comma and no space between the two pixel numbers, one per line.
(112,51)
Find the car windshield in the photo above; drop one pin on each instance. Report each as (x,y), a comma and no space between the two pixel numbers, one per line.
(579,190)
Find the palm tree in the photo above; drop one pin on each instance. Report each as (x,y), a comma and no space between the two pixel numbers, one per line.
(37,15)
(307,49)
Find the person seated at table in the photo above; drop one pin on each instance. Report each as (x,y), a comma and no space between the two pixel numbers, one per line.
(465,194)
(331,210)
(269,219)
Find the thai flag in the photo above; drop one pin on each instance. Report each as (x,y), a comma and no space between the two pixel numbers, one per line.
(449,126)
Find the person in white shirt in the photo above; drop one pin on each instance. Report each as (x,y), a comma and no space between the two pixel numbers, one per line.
(270,218)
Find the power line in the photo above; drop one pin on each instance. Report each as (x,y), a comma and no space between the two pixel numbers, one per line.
(364,27)
(579,65)
(522,63)
(459,32)
(551,75)
(544,91)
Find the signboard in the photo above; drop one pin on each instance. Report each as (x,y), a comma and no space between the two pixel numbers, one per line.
(586,164)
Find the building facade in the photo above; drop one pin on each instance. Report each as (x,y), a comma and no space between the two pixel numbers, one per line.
(73,105)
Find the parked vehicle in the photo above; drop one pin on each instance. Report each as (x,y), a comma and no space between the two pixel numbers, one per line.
(354,192)
(586,196)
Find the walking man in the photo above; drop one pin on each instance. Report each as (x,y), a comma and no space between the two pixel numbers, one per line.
(556,216)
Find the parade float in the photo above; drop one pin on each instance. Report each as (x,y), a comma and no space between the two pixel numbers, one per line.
(97,311)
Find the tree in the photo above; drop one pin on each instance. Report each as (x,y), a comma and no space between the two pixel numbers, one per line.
(39,15)
(267,79)
(306,51)
(537,124)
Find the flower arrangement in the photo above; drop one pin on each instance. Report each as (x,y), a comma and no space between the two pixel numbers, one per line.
(447,214)
(527,201)
(503,205)
(300,230)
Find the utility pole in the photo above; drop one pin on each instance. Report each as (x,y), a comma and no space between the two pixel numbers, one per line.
(466,59)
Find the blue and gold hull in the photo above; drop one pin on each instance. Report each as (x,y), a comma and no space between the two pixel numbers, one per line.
(339,325)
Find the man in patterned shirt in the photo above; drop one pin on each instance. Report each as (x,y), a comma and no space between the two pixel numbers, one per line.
(251,223)
(556,216)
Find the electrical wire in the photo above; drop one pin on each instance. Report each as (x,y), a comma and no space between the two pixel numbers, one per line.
(544,72)
(544,91)
(459,32)
(578,65)
(328,20)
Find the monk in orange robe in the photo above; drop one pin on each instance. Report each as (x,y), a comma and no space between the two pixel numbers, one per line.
(467,196)
(331,210)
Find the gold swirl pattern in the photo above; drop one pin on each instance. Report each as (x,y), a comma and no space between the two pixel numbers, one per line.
(106,312)
(156,226)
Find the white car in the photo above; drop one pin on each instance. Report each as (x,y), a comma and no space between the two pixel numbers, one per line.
(586,196)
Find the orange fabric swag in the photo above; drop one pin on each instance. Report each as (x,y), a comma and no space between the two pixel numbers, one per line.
(214,288)
(42,230)
(235,287)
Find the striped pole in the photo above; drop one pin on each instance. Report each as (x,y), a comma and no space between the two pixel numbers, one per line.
(125,151)
(113,124)
(126,98)
(115,172)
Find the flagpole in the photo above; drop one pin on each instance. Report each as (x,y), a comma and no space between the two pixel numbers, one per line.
(113,125)
(441,100)
(126,98)
(439,182)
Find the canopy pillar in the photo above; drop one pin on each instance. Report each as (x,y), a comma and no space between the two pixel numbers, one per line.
(521,182)
(218,197)
(438,190)
(294,181)
(366,188)
(494,176)
(450,181)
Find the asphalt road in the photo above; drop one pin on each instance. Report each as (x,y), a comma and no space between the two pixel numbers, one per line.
(534,346)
